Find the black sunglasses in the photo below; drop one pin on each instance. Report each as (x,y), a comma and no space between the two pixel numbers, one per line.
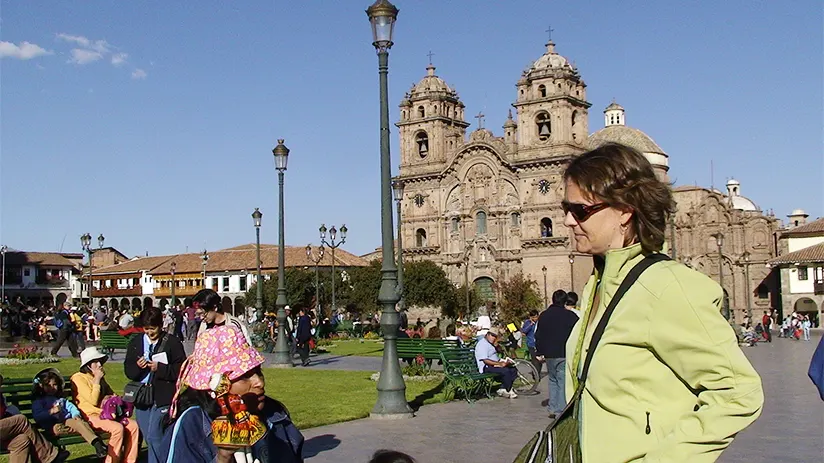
(582,212)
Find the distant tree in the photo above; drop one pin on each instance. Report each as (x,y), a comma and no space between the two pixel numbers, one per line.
(300,289)
(456,307)
(364,284)
(426,284)
(516,297)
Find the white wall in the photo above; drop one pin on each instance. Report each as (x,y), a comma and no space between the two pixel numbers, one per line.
(794,244)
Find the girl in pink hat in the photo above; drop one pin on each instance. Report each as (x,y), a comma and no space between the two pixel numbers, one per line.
(224,351)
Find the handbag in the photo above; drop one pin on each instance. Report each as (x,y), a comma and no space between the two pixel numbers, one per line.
(561,441)
(140,394)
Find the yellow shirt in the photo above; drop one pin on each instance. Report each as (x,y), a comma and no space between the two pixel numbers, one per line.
(87,394)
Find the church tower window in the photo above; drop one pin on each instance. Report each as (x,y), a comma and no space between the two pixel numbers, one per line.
(542,90)
(480,223)
(422,140)
(515,220)
(574,116)
(420,238)
(455,224)
(421,111)
(544,125)
(546,227)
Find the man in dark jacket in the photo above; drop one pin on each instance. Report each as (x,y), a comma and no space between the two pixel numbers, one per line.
(65,331)
(554,325)
(304,333)
(155,358)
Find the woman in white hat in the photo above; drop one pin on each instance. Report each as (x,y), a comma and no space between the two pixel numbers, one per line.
(90,390)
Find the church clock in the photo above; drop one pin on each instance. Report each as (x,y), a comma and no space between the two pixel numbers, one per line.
(419,200)
(543,186)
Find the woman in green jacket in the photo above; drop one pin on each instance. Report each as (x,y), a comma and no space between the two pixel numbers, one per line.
(668,381)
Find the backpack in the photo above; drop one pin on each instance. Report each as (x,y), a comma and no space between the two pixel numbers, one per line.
(60,319)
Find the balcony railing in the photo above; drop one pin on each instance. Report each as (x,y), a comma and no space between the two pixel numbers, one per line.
(114,292)
(185,291)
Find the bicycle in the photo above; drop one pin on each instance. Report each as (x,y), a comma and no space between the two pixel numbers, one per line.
(527,380)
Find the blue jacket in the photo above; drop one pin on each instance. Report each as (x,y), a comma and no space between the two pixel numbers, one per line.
(816,372)
(189,440)
(41,411)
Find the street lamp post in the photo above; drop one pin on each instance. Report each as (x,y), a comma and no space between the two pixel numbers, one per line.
(316,260)
(571,271)
(746,258)
(86,243)
(282,356)
(397,189)
(725,308)
(204,257)
(391,401)
(332,234)
(174,267)
(546,302)
(257,216)
(3,250)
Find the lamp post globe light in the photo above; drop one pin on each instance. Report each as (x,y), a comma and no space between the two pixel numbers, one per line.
(391,401)
(546,303)
(725,307)
(333,245)
(3,250)
(397,190)
(316,260)
(204,258)
(86,244)
(571,271)
(746,258)
(282,357)
(257,216)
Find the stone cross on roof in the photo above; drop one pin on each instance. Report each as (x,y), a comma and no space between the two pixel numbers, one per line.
(550,31)
(480,118)
(430,55)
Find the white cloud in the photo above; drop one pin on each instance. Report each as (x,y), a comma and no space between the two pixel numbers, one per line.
(82,56)
(24,51)
(119,58)
(139,74)
(100,46)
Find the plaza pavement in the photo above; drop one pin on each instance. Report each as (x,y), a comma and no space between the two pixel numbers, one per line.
(791,428)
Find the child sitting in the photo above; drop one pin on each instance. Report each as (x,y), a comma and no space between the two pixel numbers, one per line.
(58,416)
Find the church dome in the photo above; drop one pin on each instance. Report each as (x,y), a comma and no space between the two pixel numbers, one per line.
(614,107)
(737,201)
(550,65)
(624,135)
(432,83)
(551,59)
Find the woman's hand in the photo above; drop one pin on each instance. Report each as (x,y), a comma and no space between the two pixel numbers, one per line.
(55,409)
(225,455)
(142,363)
(152,366)
(97,372)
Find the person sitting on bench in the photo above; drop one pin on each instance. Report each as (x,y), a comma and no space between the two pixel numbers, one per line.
(489,362)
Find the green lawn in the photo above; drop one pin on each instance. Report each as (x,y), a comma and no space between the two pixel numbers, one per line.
(313,397)
(357,347)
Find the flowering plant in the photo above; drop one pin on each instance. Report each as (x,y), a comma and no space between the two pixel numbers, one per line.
(418,367)
(25,352)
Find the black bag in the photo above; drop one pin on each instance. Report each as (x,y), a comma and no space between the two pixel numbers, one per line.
(138,393)
(560,442)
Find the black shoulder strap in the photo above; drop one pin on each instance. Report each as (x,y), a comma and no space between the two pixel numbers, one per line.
(629,280)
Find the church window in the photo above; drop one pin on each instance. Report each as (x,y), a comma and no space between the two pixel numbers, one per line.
(802,273)
(574,116)
(544,126)
(522,91)
(762,292)
(403,115)
(456,222)
(436,109)
(515,220)
(542,90)
(420,238)
(480,223)
(546,227)
(422,141)
(559,86)
(421,111)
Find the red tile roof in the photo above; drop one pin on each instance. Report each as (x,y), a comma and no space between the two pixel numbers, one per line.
(37,258)
(814,228)
(811,255)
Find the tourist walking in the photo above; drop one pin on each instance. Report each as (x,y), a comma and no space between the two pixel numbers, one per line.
(528,332)
(554,325)
(653,368)
(302,336)
(766,324)
(213,315)
(65,331)
(90,389)
(191,322)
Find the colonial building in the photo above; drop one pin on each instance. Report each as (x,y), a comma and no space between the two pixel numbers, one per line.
(40,278)
(801,265)
(486,207)
(146,281)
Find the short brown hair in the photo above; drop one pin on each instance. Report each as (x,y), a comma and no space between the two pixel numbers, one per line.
(623,178)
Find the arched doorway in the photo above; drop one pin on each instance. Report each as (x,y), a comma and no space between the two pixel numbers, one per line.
(163,303)
(61,298)
(808,307)
(187,302)
(147,302)
(135,303)
(125,304)
(484,290)
(239,306)
(226,304)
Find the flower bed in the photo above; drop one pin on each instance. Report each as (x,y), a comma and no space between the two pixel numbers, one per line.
(430,377)
(27,355)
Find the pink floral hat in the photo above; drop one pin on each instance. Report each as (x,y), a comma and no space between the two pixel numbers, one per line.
(218,350)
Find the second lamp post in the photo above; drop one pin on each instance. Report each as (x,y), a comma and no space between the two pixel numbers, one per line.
(331,244)
(282,356)
(316,260)
(256,217)
(397,189)
(86,243)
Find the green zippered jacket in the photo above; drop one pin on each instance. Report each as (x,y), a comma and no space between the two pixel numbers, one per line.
(668,382)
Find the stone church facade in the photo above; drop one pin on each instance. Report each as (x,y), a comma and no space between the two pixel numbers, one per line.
(486,207)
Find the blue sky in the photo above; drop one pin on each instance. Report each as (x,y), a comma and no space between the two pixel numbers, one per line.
(153,122)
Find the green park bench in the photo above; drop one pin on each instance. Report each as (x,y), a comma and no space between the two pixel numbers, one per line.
(429,349)
(17,392)
(111,340)
(462,377)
